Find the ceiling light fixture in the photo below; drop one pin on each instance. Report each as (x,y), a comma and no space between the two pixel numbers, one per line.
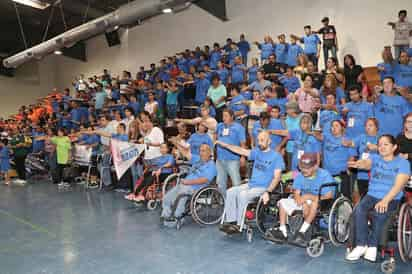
(37,4)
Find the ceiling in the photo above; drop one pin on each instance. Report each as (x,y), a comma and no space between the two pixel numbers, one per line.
(34,21)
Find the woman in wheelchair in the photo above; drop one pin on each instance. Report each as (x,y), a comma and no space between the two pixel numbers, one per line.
(161,168)
(306,185)
(201,173)
(389,174)
(266,175)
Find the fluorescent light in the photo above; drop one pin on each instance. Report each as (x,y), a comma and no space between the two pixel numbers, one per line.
(167,10)
(37,4)
(58,52)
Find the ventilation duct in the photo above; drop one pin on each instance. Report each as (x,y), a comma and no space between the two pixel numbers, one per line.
(127,14)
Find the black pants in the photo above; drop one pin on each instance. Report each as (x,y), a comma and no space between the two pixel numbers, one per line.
(147,181)
(346,185)
(20,166)
(363,186)
(58,178)
(219,114)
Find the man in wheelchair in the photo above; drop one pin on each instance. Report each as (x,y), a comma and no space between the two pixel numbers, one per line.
(201,173)
(266,174)
(306,187)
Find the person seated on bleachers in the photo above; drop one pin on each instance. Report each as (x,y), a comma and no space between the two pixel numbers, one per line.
(266,175)
(306,188)
(289,80)
(259,84)
(201,173)
(403,72)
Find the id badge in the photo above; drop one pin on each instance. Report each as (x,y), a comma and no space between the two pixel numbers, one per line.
(300,153)
(365,156)
(351,122)
(225,132)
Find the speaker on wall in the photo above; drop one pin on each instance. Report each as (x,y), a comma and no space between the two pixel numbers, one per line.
(112,38)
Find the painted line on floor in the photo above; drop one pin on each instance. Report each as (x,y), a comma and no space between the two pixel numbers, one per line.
(27,223)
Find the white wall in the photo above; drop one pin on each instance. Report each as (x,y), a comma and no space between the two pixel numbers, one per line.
(31,81)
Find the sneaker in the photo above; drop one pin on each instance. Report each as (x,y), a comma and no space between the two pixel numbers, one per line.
(370,254)
(356,253)
(93,184)
(65,184)
(275,235)
(61,184)
(170,222)
(300,239)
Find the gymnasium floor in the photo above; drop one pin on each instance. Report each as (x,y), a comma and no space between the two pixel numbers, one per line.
(44,231)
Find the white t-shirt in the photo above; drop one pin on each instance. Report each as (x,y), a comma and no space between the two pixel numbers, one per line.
(149,107)
(402,33)
(154,136)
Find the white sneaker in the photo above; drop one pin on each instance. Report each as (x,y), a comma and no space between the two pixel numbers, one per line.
(65,184)
(356,253)
(370,254)
(61,184)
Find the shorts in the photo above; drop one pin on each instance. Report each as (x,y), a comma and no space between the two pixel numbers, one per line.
(290,205)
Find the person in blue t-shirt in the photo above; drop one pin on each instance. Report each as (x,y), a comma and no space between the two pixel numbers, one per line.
(390,108)
(202,86)
(266,175)
(37,145)
(259,84)
(365,144)
(357,111)
(290,81)
(252,71)
(199,138)
(307,186)
(403,72)
(311,44)
(161,167)
(266,48)
(75,115)
(215,56)
(389,174)
(387,67)
(328,114)
(4,161)
(244,48)
(238,107)
(228,163)
(265,123)
(202,172)
(223,72)
(281,50)
(233,53)
(134,104)
(294,51)
(276,98)
(238,74)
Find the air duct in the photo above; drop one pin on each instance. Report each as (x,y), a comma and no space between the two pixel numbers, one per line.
(125,15)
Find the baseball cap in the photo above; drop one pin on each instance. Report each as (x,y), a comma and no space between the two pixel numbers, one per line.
(308,160)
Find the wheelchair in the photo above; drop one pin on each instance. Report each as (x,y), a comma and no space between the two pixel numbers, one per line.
(331,224)
(261,217)
(396,229)
(205,205)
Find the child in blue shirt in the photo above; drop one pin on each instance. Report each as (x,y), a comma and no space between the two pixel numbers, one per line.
(4,161)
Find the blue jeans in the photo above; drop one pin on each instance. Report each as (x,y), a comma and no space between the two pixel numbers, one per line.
(169,201)
(105,169)
(171,112)
(224,168)
(326,53)
(366,205)
(399,49)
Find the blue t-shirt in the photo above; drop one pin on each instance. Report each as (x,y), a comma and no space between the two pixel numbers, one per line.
(223,75)
(266,50)
(238,73)
(99,99)
(311,44)
(293,53)
(172,97)
(361,143)
(37,145)
(403,75)
(390,110)
(256,85)
(303,143)
(215,57)
(264,165)
(233,134)
(196,140)
(202,170)
(202,86)
(135,106)
(291,84)
(160,161)
(340,94)
(273,124)
(252,74)
(389,70)
(183,65)
(312,185)
(236,104)
(280,102)
(326,118)
(335,154)
(291,124)
(356,117)
(232,54)
(244,47)
(121,137)
(281,52)
(383,175)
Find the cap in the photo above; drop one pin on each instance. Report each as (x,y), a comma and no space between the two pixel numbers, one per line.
(308,160)
(325,19)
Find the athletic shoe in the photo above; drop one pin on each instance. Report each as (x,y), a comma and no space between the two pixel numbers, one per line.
(65,184)
(93,184)
(370,254)
(300,239)
(61,184)
(356,253)
(275,235)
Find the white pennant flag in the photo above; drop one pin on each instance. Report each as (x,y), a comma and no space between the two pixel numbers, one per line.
(124,155)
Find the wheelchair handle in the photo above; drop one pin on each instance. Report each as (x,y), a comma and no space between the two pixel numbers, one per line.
(336,185)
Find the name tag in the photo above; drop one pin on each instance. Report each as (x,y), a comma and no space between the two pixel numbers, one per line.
(365,156)
(300,153)
(226,132)
(351,122)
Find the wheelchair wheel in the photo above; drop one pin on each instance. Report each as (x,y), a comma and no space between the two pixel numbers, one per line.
(207,206)
(170,182)
(405,232)
(339,221)
(315,248)
(266,215)
(388,266)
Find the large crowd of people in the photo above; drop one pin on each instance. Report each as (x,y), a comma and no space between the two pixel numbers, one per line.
(282,113)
